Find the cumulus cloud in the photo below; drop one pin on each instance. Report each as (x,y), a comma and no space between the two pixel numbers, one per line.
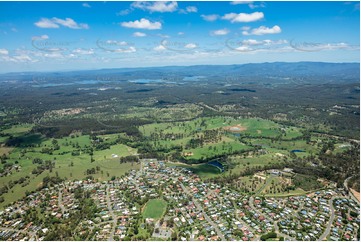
(156,6)
(251,42)
(4,52)
(192,9)
(70,23)
(210,18)
(263,42)
(159,48)
(251,4)
(86,5)
(46,24)
(243,17)
(240,2)
(142,24)
(114,42)
(55,23)
(124,12)
(190,46)
(131,49)
(139,34)
(263,30)
(83,51)
(220,32)
(43,37)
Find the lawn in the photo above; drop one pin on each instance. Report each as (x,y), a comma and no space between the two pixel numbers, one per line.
(211,150)
(259,160)
(155,208)
(202,170)
(18,129)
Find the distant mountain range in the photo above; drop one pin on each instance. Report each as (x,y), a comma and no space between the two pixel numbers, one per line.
(275,69)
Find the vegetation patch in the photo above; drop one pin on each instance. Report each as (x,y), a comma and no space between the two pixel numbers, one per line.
(155,208)
(306,182)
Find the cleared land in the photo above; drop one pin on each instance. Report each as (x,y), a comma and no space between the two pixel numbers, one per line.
(155,208)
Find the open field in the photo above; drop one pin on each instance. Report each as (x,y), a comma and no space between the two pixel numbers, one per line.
(102,165)
(203,170)
(18,129)
(154,208)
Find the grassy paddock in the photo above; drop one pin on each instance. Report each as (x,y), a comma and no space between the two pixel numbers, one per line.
(155,208)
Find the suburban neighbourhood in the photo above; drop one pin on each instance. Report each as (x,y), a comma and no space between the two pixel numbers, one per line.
(172,203)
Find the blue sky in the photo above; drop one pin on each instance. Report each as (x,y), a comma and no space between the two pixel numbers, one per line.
(48,36)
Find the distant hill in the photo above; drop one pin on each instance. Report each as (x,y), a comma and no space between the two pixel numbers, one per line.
(344,71)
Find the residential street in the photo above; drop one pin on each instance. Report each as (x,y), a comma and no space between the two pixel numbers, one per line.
(109,204)
(328,229)
(199,207)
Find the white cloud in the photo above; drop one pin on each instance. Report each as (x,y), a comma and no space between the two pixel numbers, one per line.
(142,24)
(251,4)
(210,18)
(131,49)
(43,37)
(4,52)
(273,42)
(55,22)
(190,46)
(243,48)
(159,48)
(180,33)
(263,42)
(83,51)
(164,36)
(220,32)
(251,42)
(240,2)
(70,23)
(263,30)
(14,30)
(192,9)
(86,5)
(46,24)
(22,58)
(56,55)
(124,12)
(245,28)
(114,42)
(243,17)
(139,34)
(156,6)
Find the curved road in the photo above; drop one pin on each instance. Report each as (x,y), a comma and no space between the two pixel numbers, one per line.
(348,190)
(328,229)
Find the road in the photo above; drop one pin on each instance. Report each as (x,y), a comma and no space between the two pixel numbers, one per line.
(60,201)
(199,207)
(328,229)
(275,225)
(111,236)
(349,191)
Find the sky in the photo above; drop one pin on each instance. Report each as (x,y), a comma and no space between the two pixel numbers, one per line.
(59,36)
